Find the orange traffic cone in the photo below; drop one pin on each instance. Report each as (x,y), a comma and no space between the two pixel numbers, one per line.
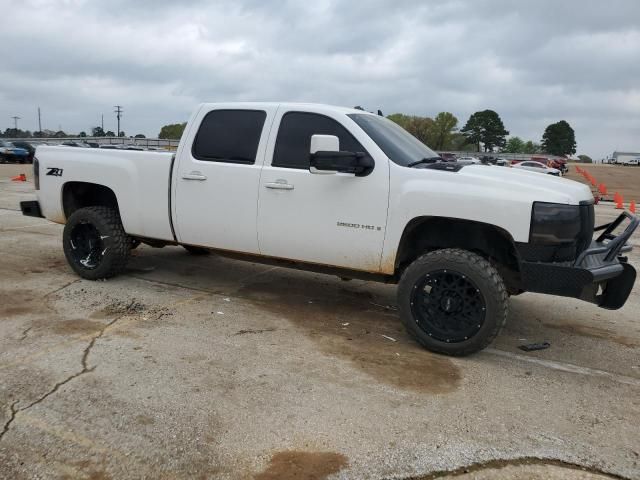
(619,201)
(602,188)
(20,178)
(578,169)
(632,207)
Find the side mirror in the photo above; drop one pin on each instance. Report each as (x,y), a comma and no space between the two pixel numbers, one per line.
(325,157)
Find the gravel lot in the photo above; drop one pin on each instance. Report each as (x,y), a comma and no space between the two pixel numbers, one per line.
(191,367)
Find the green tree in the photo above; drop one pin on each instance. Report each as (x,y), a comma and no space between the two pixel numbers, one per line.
(514,145)
(60,134)
(121,134)
(443,128)
(487,128)
(172,131)
(82,134)
(97,132)
(531,147)
(139,135)
(559,139)
(419,127)
(109,133)
(585,158)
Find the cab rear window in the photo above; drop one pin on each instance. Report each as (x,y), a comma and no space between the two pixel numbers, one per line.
(230,136)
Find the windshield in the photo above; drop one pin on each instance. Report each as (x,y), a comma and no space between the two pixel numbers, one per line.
(399,145)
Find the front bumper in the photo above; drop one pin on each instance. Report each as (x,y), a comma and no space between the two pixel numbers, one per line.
(600,274)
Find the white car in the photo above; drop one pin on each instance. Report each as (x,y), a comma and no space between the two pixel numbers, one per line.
(631,162)
(342,192)
(537,167)
(469,160)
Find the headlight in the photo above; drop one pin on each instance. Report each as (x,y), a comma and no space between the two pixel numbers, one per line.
(553,223)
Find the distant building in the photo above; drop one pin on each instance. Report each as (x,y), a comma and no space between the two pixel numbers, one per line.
(619,157)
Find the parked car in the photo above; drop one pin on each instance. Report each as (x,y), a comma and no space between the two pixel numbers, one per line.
(503,162)
(28,147)
(468,160)
(448,157)
(10,153)
(537,167)
(631,162)
(343,192)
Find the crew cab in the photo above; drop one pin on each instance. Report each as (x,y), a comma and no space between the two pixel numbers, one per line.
(344,192)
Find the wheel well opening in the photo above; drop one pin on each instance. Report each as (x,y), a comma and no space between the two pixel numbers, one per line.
(425,234)
(77,195)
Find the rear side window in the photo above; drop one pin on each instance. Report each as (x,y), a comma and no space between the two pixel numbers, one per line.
(294,138)
(230,136)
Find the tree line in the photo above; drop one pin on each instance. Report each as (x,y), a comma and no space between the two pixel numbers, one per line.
(484,131)
(95,132)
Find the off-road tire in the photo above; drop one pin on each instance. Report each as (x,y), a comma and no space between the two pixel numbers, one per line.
(196,250)
(116,244)
(476,269)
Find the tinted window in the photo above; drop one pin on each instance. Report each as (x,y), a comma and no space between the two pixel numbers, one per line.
(229,136)
(294,138)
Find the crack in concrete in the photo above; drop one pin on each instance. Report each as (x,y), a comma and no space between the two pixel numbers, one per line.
(12,417)
(25,332)
(497,464)
(85,369)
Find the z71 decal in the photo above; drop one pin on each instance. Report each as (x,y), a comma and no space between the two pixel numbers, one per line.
(56,172)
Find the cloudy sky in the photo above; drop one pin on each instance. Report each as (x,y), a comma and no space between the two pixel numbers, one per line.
(534,62)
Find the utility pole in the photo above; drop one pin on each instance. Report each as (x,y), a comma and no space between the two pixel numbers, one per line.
(39,121)
(102,122)
(118,112)
(15,123)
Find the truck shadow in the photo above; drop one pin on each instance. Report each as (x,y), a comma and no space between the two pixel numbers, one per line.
(354,321)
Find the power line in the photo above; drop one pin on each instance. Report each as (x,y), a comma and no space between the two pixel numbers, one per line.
(118,112)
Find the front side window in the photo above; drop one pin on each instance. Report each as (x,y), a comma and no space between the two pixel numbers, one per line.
(294,138)
(230,136)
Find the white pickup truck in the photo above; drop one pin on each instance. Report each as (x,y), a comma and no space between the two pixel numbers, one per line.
(344,192)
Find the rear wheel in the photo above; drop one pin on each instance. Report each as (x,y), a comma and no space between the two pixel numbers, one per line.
(95,243)
(452,301)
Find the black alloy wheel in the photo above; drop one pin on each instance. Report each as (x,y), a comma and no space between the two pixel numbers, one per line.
(87,247)
(448,305)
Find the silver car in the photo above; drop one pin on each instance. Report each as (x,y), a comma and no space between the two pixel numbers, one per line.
(537,167)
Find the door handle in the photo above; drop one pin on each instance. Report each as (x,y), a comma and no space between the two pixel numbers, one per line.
(194,176)
(279,185)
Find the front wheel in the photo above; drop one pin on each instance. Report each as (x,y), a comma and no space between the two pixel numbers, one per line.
(452,301)
(95,243)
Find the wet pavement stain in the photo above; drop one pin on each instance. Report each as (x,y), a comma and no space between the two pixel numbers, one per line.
(75,326)
(20,302)
(357,327)
(297,465)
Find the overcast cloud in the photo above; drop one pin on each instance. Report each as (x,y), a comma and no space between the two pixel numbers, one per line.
(534,62)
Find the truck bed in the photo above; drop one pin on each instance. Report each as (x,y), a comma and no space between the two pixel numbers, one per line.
(140,181)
